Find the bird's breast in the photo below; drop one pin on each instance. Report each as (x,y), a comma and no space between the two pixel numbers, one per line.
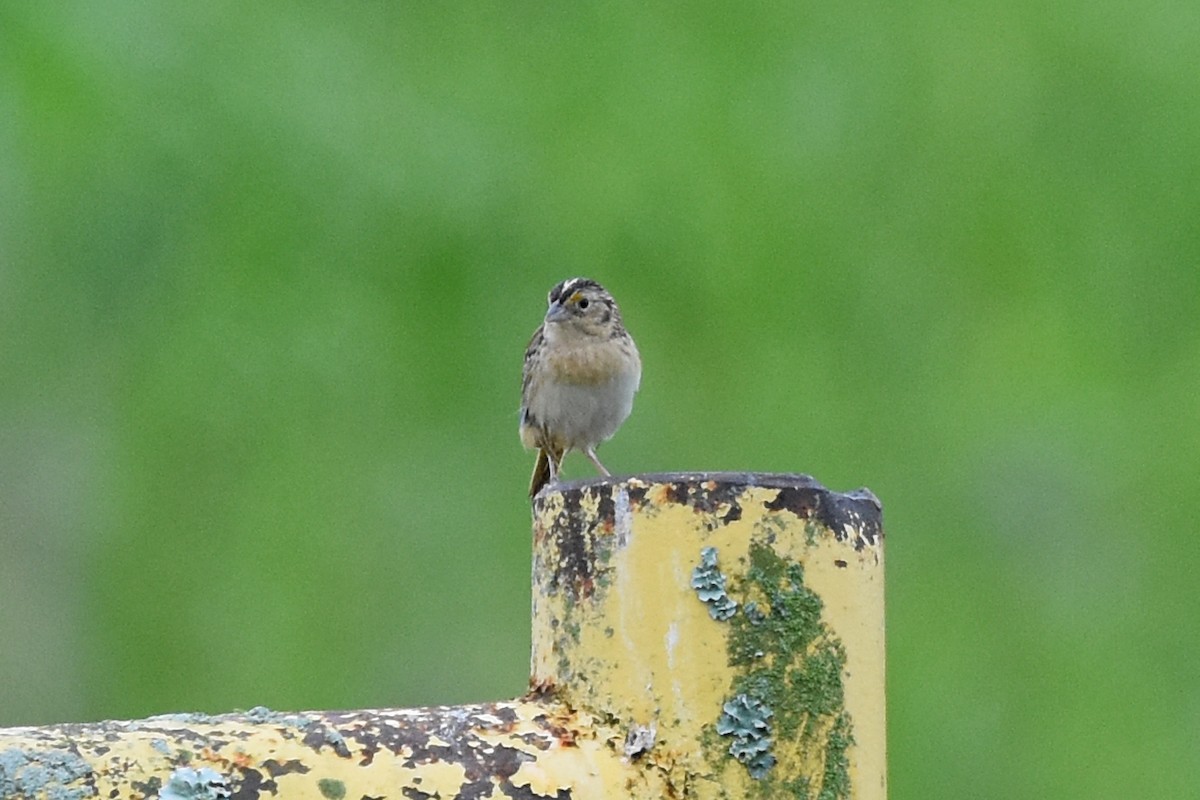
(584,396)
(591,365)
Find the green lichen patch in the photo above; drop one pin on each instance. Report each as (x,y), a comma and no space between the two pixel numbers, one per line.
(568,635)
(709,583)
(793,666)
(811,530)
(836,782)
(332,789)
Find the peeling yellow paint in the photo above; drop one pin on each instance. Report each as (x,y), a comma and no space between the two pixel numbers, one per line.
(668,662)
(638,691)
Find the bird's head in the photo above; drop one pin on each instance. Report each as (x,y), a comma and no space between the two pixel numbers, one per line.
(580,307)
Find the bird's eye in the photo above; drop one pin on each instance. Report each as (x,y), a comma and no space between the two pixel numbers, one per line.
(583,303)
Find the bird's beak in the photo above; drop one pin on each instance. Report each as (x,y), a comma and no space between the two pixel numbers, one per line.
(556,313)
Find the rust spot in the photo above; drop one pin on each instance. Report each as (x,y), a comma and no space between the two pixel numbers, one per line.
(540,691)
(583,541)
(527,793)
(541,742)
(578,545)
(507,717)
(605,508)
(275,768)
(252,786)
(565,736)
(706,496)
(457,736)
(369,749)
(840,513)
(714,494)
(563,726)
(803,501)
(319,736)
(677,493)
(474,790)
(572,502)
(506,761)
(576,558)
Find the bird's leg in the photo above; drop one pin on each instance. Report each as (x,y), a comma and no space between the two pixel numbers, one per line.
(590,452)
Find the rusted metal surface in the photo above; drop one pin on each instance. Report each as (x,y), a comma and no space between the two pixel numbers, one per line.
(532,749)
(694,636)
(737,615)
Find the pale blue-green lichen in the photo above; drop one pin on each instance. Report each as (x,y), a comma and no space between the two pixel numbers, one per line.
(709,583)
(261,715)
(43,773)
(746,721)
(186,783)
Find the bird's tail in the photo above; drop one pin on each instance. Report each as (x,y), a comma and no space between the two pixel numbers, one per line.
(543,472)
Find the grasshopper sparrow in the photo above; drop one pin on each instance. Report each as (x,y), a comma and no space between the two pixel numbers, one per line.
(581,371)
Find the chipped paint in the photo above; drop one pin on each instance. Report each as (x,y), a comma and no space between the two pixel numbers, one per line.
(801,568)
(640,739)
(637,691)
(521,748)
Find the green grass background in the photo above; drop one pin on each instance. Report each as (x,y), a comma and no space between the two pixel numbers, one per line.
(267,272)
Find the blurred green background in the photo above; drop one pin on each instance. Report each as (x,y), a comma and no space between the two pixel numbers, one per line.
(267,272)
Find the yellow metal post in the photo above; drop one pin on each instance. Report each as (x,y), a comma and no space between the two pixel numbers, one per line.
(734,621)
(694,636)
